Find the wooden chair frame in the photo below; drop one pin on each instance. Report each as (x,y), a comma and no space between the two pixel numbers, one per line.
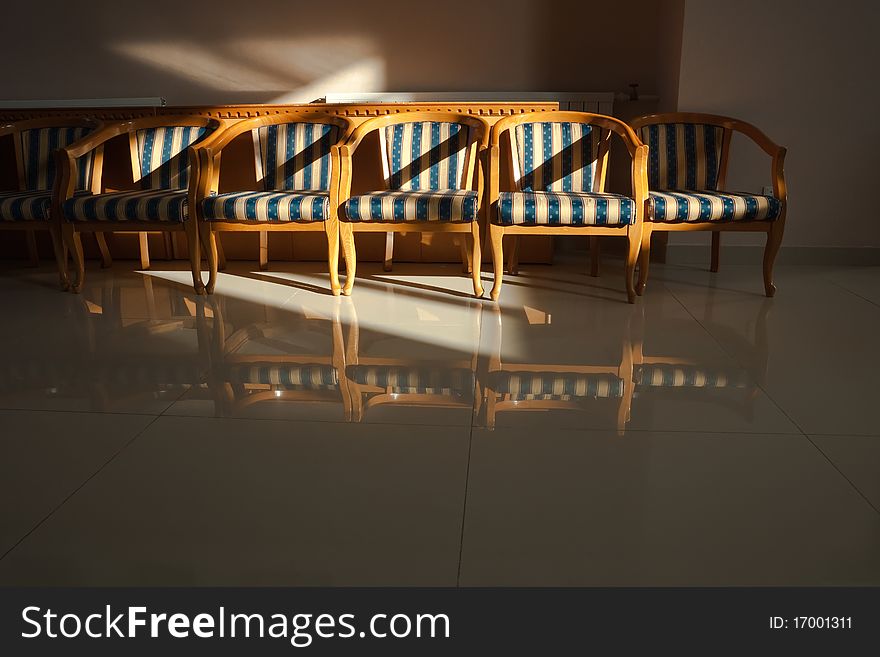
(67,170)
(639,154)
(15,129)
(774,228)
(478,135)
(205,158)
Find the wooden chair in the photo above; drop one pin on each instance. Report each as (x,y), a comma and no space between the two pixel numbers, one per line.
(160,167)
(29,207)
(433,182)
(687,170)
(558,165)
(299,168)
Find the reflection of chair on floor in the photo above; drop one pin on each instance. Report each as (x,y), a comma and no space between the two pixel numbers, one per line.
(547,386)
(666,377)
(28,208)
(273,362)
(414,382)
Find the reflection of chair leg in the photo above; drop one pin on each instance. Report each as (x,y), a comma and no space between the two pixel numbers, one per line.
(513,258)
(144,249)
(496,236)
(389,251)
(716,250)
(594,255)
(33,254)
(774,241)
(264,250)
(106,260)
(626,373)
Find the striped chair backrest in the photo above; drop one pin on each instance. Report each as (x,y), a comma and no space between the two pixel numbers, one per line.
(294,156)
(683,155)
(38,146)
(555,156)
(162,161)
(424,155)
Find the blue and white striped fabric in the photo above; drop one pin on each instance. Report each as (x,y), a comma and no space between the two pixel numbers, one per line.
(559,386)
(683,155)
(706,206)
(38,146)
(560,209)
(414,380)
(399,206)
(667,375)
(25,206)
(147,205)
(555,156)
(424,155)
(294,156)
(162,158)
(267,206)
(289,377)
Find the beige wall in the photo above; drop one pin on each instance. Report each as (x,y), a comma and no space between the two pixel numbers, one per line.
(802,71)
(200,52)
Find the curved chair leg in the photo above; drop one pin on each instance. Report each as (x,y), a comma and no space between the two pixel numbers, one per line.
(465,257)
(106,259)
(644,261)
(513,258)
(332,228)
(389,251)
(33,253)
(212,259)
(594,255)
(144,245)
(634,240)
(60,256)
(476,259)
(774,240)
(716,250)
(221,254)
(496,236)
(264,250)
(193,245)
(346,235)
(73,242)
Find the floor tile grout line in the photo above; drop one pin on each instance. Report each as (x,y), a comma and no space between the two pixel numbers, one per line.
(776,404)
(854,293)
(79,488)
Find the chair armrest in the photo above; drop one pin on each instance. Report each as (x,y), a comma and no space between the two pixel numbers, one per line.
(774,150)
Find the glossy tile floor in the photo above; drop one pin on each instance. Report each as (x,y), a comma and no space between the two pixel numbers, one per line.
(411,435)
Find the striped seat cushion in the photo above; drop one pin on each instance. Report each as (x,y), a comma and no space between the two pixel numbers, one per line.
(667,375)
(267,206)
(289,377)
(38,146)
(563,209)
(25,206)
(555,156)
(414,380)
(451,205)
(561,386)
(700,206)
(149,205)
(294,156)
(683,155)
(424,155)
(162,160)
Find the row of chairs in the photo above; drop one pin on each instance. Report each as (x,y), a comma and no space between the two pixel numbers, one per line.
(433,170)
